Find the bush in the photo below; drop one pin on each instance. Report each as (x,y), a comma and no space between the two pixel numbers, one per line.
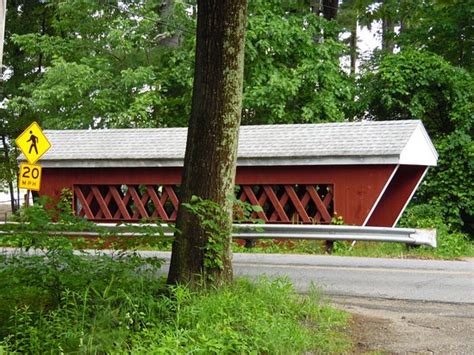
(71,303)
(450,243)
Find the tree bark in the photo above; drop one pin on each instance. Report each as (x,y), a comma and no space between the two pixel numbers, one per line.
(330,9)
(388,31)
(353,47)
(211,148)
(6,156)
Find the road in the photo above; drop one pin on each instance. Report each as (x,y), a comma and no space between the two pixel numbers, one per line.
(381,278)
(402,279)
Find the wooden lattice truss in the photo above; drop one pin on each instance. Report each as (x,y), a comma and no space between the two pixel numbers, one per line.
(280,203)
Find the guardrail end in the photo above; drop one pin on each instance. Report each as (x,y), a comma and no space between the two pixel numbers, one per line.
(425,237)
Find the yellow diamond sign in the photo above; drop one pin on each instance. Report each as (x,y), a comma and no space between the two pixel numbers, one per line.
(33,143)
(29,177)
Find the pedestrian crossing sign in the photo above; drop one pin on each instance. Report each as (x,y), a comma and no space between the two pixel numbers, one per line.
(33,143)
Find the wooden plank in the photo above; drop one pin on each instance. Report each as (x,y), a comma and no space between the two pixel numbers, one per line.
(107,199)
(297,203)
(101,202)
(122,208)
(174,200)
(319,204)
(253,200)
(283,200)
(84,204)
(159,210)
(138,203)
(276,203)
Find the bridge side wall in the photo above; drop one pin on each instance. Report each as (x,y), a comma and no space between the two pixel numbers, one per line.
(355,188)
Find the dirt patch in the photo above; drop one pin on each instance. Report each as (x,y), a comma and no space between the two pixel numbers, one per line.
(405,327)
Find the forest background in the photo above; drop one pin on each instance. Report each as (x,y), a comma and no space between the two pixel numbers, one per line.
(101,63)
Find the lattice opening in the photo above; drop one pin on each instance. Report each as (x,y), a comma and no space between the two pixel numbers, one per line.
(297,203)
(126,202)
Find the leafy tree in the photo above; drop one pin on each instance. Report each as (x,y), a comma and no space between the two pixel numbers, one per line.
(441,26)
(106,66)
(422,85)
(290,77)
(20,69)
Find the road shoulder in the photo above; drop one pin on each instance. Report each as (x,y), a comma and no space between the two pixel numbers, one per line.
(401,327)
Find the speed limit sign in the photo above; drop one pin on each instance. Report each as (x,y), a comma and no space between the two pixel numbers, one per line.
(30,177)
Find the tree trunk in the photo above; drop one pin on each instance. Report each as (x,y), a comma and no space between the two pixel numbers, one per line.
(3,13)
(353,47)
(6,156)
(211,149)
(388,31)
(330,9)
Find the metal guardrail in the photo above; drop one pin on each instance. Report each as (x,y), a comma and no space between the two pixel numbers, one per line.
(281,231)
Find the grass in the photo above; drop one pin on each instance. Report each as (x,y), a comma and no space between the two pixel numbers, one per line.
(65,303)
(449,251)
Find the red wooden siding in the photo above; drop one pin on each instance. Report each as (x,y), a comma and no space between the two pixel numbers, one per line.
(397,195)
(310,194)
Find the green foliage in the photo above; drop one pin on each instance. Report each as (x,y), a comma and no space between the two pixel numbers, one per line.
(43,226)
(416,84)
(450,244)
(211,216)
(246,318)
(106,66)
(71,303)
(291,75)
(8,167)
(443,27)
(421,85)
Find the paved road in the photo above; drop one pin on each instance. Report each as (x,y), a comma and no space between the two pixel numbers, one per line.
(399,279)
(403,279)
(426,280)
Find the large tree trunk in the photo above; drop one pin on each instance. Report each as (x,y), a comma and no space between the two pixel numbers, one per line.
(211,149)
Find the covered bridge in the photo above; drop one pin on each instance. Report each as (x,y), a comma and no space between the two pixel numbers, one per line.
(365,172)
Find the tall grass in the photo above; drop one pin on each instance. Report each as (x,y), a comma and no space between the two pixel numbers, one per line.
(65,303)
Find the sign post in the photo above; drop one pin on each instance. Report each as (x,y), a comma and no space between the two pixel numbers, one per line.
(33,144)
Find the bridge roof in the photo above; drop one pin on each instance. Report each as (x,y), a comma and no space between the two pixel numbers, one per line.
(370,142)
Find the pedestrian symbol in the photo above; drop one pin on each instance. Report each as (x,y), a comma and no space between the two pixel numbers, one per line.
(33,139)
(33,143)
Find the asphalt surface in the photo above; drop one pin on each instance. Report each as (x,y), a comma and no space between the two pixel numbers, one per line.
(397,279)
(402,279)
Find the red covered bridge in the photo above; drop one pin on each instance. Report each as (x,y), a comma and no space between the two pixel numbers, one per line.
(365,172)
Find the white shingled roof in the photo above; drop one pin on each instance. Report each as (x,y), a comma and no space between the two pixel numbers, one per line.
(382,142)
